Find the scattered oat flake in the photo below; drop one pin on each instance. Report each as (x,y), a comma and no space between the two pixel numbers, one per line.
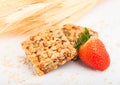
(7,62)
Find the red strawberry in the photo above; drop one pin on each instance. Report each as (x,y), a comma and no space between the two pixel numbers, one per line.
(93,52)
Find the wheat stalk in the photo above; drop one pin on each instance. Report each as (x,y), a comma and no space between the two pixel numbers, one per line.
(56,14)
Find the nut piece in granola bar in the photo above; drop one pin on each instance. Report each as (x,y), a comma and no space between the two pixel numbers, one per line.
(48,49)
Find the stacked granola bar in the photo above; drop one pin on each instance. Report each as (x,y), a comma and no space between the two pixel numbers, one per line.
(73,32)
(48,49)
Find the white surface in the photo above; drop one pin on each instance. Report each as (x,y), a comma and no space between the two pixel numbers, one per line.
(105,19)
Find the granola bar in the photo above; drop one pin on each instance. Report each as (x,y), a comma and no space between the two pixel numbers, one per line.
(73,32)
(48,49)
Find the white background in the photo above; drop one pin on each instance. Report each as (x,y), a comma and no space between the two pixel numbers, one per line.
(105,19)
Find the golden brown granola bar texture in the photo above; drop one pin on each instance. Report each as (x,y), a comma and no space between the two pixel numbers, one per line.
(72,32)
(48,49)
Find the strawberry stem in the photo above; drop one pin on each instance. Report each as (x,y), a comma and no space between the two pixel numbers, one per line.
(82,38)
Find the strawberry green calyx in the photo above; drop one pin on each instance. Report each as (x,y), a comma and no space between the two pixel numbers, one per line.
(82,38)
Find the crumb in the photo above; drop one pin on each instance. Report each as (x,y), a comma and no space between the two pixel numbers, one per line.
(105,79)
(109,82)
(60,74)
(7,62)
(77,74)
(15,77)
(72,78)
(24,60)
(118,44)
